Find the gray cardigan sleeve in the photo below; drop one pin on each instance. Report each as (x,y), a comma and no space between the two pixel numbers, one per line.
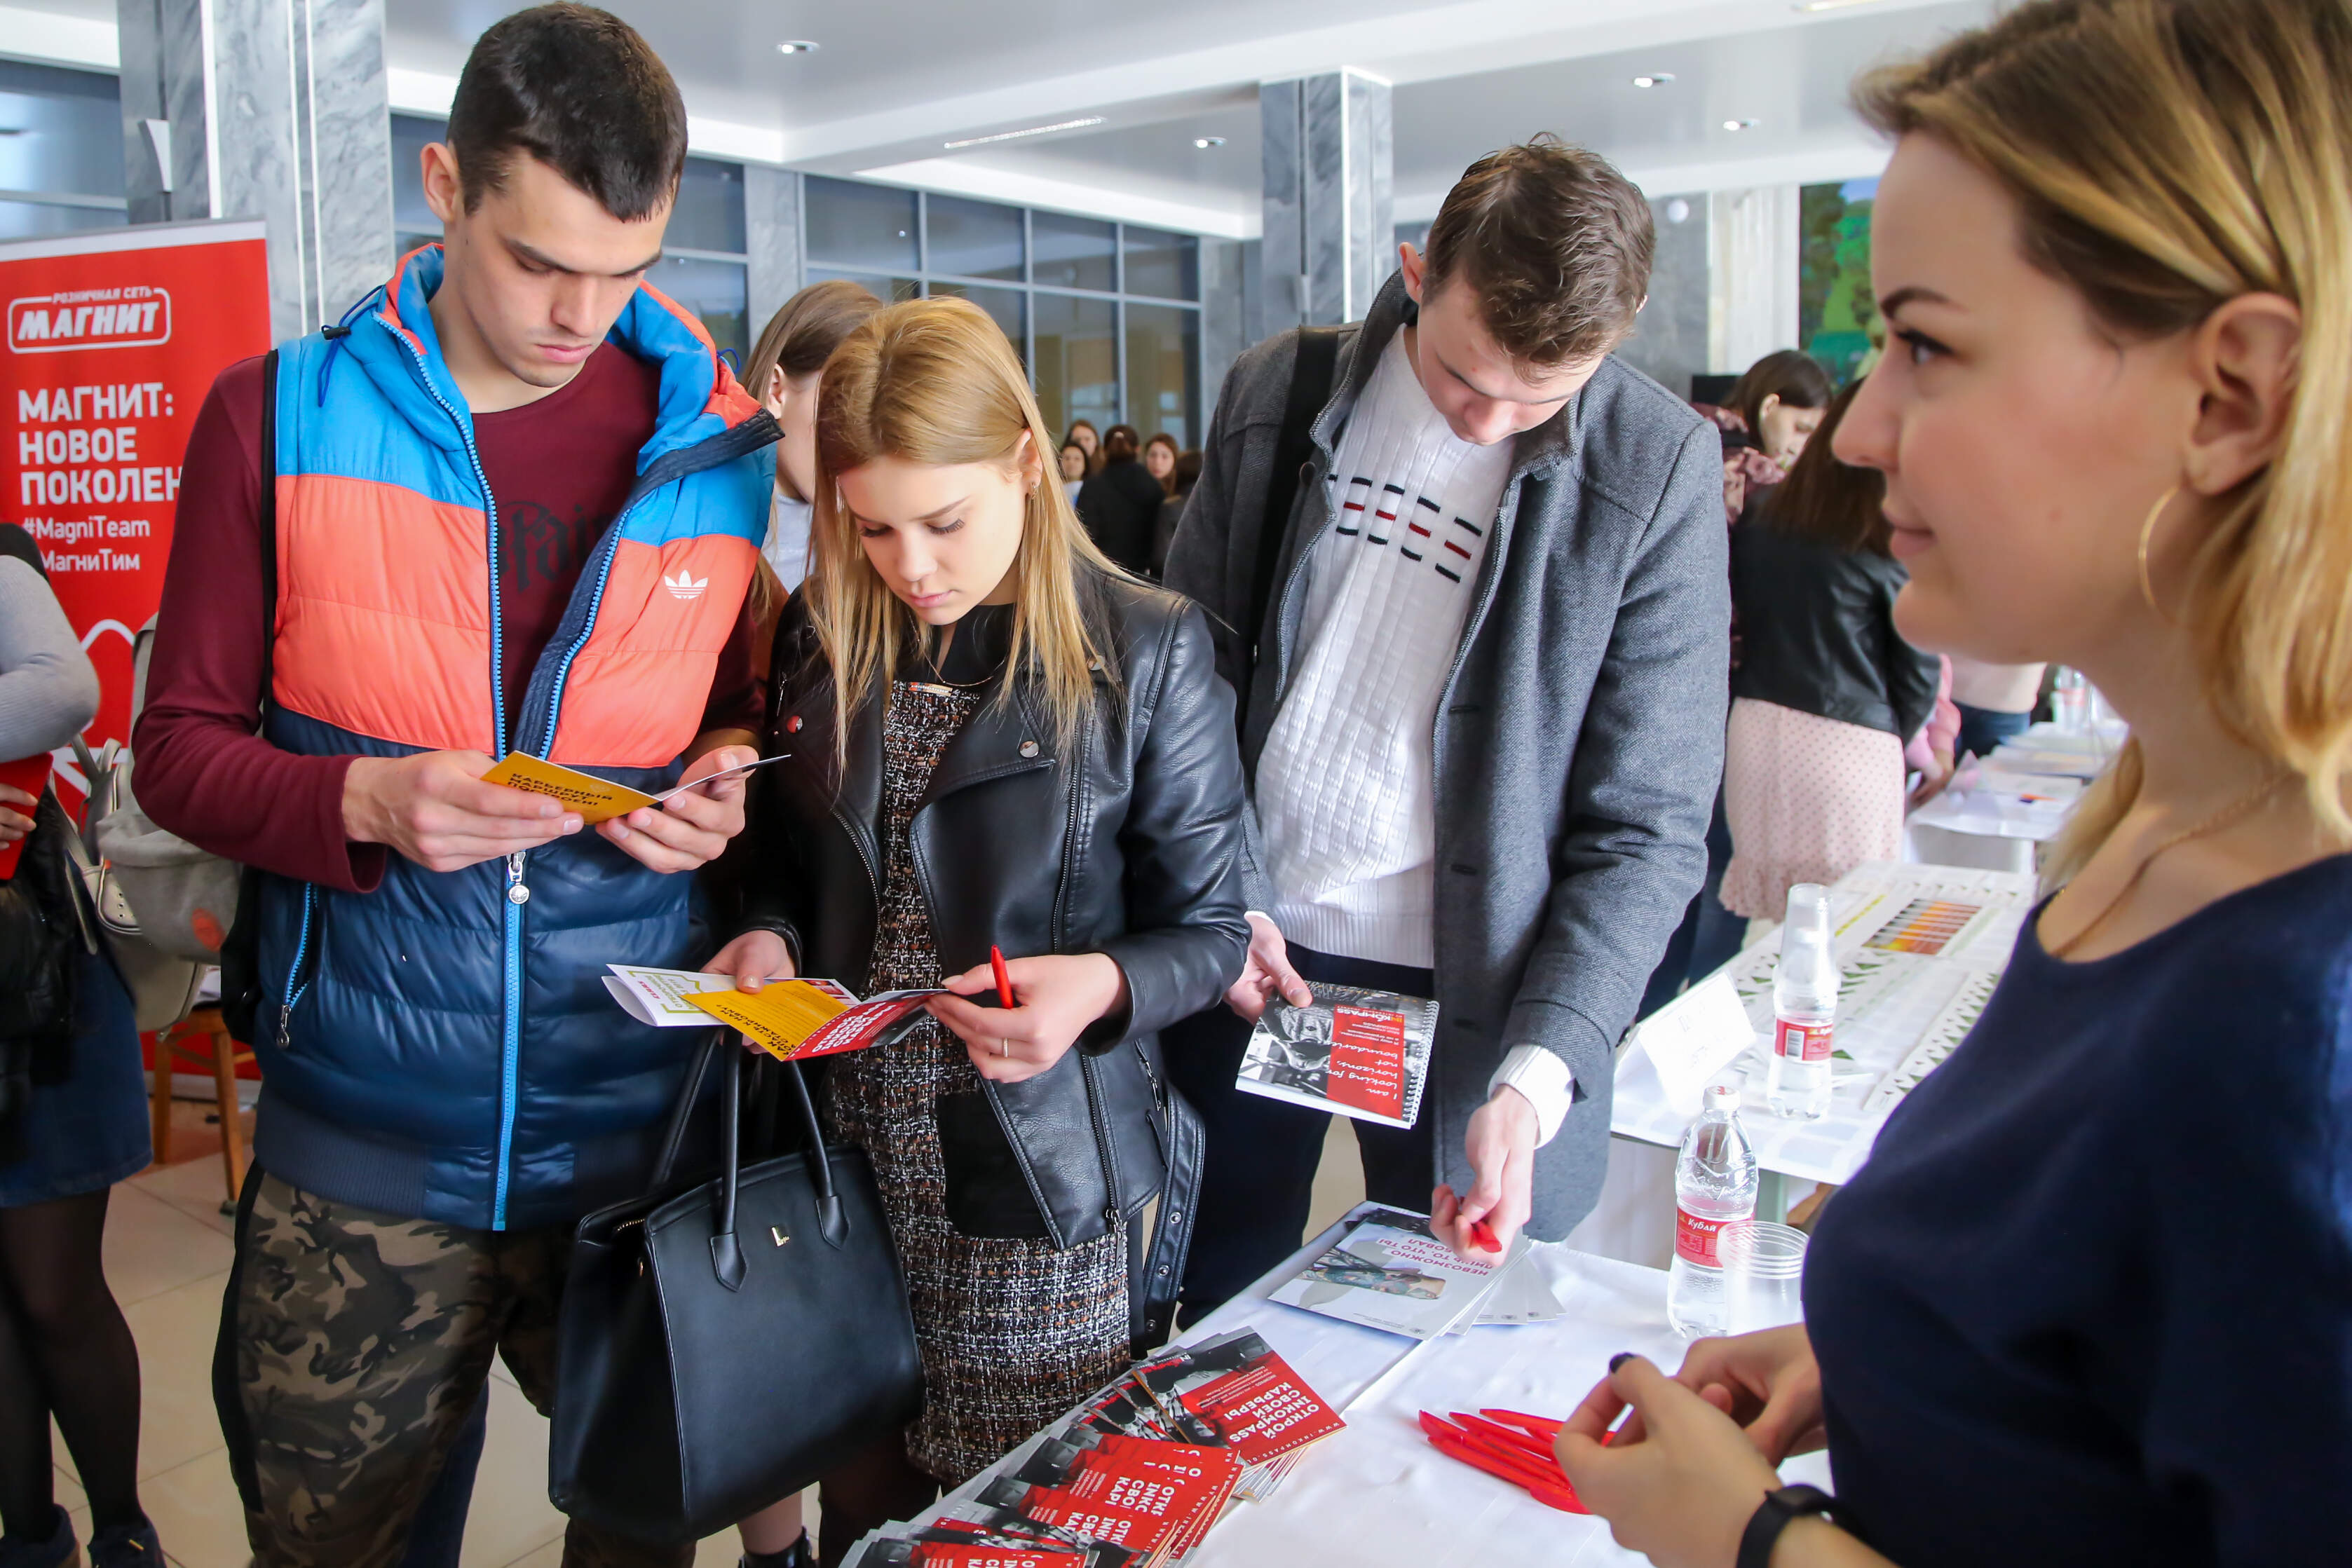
(1643,784)
(48,690)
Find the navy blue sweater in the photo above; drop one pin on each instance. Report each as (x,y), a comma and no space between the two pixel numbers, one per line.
(2090,1301)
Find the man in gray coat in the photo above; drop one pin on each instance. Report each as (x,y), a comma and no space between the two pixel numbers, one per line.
(1482,666)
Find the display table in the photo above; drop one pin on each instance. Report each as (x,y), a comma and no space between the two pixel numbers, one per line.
(1998,810)
(1377,1493)
(1919,949)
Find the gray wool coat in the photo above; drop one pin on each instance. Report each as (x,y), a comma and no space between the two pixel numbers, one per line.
(1580,734)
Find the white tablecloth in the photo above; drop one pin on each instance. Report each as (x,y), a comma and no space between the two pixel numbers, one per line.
(1377,1495)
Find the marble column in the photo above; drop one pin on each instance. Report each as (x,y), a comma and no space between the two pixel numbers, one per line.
(1754,246)
(1330,212)
(1223,328)
(273,110)
(771,230)
(1670,335)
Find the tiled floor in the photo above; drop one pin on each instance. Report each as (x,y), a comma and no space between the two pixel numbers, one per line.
(167,1256)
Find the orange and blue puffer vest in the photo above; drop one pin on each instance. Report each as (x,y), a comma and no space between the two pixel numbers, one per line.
(443,1048)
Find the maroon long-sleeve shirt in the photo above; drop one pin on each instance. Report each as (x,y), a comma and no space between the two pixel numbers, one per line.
(560,468)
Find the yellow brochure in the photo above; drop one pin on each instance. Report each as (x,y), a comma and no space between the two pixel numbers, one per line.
(793,1020)
(596,800)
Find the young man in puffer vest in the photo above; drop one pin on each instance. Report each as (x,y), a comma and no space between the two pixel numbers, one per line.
(518,499)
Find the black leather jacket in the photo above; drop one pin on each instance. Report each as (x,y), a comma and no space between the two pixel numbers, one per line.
(1131,852)
(1817,631)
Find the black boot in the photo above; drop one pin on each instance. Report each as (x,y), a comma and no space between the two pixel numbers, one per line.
(56,1552)
(126,1546)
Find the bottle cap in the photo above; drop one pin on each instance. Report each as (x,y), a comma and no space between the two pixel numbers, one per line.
(1722,1097)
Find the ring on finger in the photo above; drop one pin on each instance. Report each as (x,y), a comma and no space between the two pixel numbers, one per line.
(1003,1046)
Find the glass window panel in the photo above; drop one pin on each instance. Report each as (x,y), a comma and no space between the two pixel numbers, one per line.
(889,291)
(1006,306)
(709,212)
(973,239)
(715,291)
(869,227)
(411,135)
(1164,266)
(34,220)
(1077,371)
(1163,345)
(64,132)
(1072,253)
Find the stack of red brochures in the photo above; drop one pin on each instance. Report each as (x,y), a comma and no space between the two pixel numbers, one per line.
(1513,1446)
(1138,1474)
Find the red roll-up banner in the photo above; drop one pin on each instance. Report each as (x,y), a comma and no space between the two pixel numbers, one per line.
(113,338)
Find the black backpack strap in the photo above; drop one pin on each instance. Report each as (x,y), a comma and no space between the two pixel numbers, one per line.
(240,954)
(1310,389)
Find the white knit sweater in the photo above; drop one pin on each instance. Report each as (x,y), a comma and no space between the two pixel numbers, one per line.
(1346,786)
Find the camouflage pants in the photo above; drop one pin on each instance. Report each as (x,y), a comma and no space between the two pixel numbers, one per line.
(361,1343)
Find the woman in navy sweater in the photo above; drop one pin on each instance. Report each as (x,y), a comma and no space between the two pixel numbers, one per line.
(2091,1298)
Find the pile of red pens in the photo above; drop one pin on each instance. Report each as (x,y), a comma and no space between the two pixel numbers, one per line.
(1510,1446)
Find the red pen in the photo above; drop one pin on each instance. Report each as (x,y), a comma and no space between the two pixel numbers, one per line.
(1003,980)
(1483,1237)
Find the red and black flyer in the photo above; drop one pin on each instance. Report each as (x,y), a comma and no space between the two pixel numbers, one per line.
(1359,1052)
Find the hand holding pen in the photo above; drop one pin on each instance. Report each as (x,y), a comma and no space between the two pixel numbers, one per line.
(1044,1004)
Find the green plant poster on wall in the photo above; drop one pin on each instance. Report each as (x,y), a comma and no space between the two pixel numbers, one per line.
(1837,314)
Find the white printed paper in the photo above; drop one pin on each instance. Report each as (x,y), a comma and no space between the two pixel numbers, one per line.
(1693,1038)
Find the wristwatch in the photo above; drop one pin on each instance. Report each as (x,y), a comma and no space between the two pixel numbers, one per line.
(1772,1516)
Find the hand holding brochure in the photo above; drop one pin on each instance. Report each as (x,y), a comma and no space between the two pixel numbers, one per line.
(791,1020)
(1390,1271)
(596,800)
(1359,1052)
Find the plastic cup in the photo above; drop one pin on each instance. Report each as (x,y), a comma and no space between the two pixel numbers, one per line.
(1763,1273)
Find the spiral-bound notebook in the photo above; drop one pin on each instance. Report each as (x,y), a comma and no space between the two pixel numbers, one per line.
(1359,1052)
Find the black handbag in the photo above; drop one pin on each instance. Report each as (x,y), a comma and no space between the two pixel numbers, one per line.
(721,1348)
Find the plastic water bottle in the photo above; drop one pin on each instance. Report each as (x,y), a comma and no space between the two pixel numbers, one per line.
(1715,1186)
(1804,1007)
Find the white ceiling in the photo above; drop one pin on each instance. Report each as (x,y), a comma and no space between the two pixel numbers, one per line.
(894,79)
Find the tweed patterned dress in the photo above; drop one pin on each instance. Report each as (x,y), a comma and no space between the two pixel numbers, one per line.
(1012,1331)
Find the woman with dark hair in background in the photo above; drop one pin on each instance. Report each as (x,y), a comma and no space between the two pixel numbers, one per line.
(73,1121)
(1120,507)
(1172,510)
(1826,693)
(784,369)
(1081,434)
(1160,455)
(1781,401)
(1073,470)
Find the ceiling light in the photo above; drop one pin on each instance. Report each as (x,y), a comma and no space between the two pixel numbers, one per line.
(1205,142)
(1739,125)
(796,47)
(1653,79)
(1033,130)
(1812,6)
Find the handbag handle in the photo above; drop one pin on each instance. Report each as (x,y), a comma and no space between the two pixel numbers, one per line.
(726,1263)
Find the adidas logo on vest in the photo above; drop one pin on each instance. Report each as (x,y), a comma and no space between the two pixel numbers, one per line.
(685,585)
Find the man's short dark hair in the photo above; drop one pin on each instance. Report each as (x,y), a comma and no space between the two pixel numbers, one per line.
(578,89)
(1556,244)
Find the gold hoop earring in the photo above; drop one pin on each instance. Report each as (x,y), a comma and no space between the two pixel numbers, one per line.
(2147,531)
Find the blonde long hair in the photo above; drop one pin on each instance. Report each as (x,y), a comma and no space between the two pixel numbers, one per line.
(2169,156)
(934,381)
